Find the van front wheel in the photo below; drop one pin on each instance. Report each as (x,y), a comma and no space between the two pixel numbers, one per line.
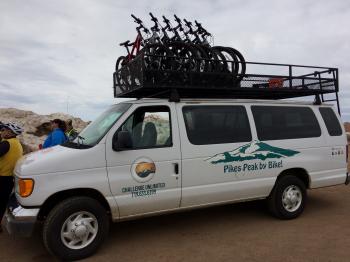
(75,228)
(287,199)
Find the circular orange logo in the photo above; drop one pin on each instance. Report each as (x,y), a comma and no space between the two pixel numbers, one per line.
(143,169)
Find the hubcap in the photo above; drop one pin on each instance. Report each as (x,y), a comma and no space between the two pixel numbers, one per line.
(79,230)
(292,198)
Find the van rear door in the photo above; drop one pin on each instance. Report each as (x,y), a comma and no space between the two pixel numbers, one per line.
(336,143)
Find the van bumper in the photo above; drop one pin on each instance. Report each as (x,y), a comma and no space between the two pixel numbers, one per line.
(347,180)
(20,221)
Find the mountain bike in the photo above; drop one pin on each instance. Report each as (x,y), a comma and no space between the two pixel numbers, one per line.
(235,62)
(186,55)
(182,61)
(216,65)
(145,46)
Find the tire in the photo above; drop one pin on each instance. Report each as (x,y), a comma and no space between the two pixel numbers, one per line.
(157,57)
(230,59)
(157,64)
(184,63)
(293,205)
(198,78)
(242,65)
(187,56)
(122,73)
(238,66)
(202,57)
(57,221)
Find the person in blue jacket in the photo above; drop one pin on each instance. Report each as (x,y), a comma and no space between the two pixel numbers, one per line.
(57,136)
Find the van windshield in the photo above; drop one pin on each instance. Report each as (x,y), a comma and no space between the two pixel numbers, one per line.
(97,129)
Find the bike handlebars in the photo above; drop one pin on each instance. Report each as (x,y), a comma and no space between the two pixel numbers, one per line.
(179,24)
(154,19)
(197,32)
(141,26)
(165,20)
(199,25)
(188,23)
(137,20)
(177,19)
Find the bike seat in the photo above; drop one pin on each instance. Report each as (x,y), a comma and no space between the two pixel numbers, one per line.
(126,43)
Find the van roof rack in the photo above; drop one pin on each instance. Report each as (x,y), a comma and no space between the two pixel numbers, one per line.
(149,76)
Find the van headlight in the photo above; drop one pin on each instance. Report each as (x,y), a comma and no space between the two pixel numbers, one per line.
(24,186)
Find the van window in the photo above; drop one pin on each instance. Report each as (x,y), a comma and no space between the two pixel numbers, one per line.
(331,121)
(283,122)
(149,127)
(96,130)
(216,124)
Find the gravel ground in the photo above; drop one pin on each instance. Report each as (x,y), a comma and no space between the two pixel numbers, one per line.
(238,232)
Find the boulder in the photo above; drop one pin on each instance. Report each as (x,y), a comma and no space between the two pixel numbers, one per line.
(36,127)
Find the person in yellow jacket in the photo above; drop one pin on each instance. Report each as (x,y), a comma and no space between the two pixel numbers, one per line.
(10,151)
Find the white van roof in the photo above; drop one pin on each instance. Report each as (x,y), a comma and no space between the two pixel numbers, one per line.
(248,101)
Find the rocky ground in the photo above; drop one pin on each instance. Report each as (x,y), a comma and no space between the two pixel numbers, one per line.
(239,232)
(36,127)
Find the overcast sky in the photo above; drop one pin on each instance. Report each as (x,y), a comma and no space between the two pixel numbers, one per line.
(59,53)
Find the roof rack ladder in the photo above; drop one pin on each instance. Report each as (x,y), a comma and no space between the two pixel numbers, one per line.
(335,77)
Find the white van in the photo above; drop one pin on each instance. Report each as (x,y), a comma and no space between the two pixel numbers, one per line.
(151,156)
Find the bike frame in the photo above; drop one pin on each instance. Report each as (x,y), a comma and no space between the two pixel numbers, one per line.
(135,47)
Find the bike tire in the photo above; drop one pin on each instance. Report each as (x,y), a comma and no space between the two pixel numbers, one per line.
(185,63)
(120,77)
(202,57)
(241,59)
(185,51)
(230,59)
(160,54)
(158,64)
(240,67)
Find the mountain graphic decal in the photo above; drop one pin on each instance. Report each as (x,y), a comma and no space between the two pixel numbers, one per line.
(253,150)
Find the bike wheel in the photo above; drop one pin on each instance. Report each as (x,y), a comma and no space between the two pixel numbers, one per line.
(121,73)
(230,68)
(156,57)
(230,59)
(242,63)
(238,66)
(157,64)
(185,63)
(187,56)
(202,58)
(199,78)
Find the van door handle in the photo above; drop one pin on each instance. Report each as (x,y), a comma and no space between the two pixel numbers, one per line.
(176,168)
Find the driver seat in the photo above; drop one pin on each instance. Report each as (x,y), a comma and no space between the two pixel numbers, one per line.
(149,137)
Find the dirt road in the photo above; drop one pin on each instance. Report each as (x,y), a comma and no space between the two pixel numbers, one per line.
(239,232)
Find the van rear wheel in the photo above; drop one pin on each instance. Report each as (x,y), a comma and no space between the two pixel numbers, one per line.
(288,197)
(75,228)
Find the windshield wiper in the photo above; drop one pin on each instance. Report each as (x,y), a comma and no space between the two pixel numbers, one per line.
(79,144)
(80,140)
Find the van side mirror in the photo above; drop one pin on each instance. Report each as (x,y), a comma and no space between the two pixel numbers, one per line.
(122,141)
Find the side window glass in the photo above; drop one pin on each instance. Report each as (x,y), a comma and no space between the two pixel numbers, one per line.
(285,122)
(331,121)
(149,127)
(207,125)
(161,122)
